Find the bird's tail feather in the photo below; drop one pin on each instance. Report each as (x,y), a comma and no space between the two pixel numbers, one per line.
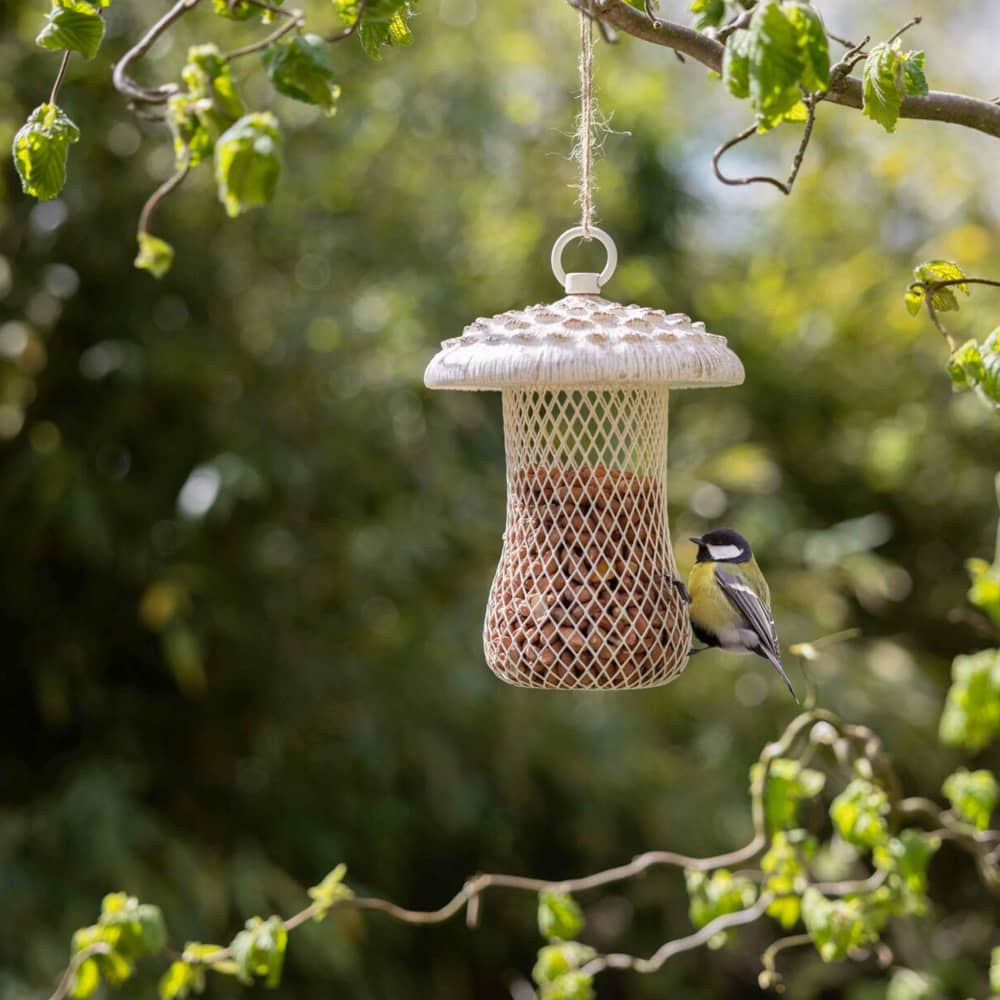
(776,663)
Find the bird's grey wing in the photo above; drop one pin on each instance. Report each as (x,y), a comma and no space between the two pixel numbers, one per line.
(754,610)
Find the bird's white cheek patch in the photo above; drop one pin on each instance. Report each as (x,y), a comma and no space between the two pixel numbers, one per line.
(720,553)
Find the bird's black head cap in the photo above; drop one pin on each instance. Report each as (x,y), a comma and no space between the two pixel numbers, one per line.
(723,545)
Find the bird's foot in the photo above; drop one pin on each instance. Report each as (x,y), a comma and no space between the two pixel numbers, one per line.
(681,589)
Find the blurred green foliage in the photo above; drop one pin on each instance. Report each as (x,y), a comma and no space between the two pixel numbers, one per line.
(246,554)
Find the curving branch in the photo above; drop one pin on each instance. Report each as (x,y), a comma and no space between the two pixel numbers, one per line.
(123,81)
(939,106)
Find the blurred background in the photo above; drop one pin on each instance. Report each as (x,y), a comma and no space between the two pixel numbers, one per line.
(244,555)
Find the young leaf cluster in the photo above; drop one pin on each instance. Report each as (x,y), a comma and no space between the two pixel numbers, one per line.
(558,969)
(974,364)
(781,55)
(107,951)
(890,74)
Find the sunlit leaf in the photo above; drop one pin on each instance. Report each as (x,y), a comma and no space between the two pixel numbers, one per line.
(788,783)
(247,162)
(41,147)
(555,960)
(860,813)
(74,26)
(712,894)
(814,49)
(330,891)
(971,716)
(774,63)
(559,916)
(259,950)
(301,68)
(889,75)
(155,255)
(973,796)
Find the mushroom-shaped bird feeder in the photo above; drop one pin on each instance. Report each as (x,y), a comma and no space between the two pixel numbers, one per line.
(585,594)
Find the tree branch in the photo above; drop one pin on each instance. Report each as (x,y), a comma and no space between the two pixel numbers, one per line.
(124,83)
(665,952)
(941,106)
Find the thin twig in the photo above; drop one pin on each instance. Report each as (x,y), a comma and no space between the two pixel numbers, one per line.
(60,76)
(785,187)
(295,19)
(83,955)
(906,27)
(930,287)
(124,83)
(768,959)
(352,27)
(167,187)
(667,951)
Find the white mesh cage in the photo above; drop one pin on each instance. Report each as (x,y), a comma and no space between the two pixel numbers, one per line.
(585,593)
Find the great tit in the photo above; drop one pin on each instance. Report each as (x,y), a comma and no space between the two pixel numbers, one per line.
(730,599)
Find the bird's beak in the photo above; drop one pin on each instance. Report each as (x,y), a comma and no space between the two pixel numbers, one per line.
(697,541)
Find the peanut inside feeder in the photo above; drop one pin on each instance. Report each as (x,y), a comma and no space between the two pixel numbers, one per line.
(584,595)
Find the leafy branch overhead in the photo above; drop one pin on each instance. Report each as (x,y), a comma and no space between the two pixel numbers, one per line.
(774,54)
(207,117)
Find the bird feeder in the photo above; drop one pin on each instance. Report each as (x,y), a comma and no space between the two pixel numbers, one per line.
(586,593)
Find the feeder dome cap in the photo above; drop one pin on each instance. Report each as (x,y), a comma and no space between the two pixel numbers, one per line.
(584,341)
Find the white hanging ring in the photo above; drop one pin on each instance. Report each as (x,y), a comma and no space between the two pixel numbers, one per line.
(580,282)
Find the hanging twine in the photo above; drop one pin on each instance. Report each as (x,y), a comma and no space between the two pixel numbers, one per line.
(584,146)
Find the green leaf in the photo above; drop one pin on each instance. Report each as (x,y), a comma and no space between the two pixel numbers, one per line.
(259,950)
(40,149)
(572,986)
(135,929)
(713,894)
(559,916)
(814,48)
(890,75)
(247,162)
(940,270)
(913,73)
(995,970)
(860,813)
(990,385)
(736,64)
(914,300)
(330,891)
(241,10)
(883,86)
(385,23)
(774,63)
(710,12)
(788,784)
(302,69)
(180,981)
(155,255)
(839,926)
(74,26)
(965,366)
(973,796)
(785,867)
(86,979)
(904,859)
(208,107)
(555,960)
(971,716)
